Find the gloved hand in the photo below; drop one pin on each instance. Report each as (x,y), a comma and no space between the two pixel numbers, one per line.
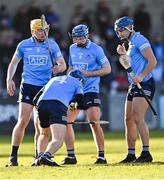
(72,106)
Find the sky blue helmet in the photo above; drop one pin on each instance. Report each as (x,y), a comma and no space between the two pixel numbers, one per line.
(123,22)
(80,30)
(77,74)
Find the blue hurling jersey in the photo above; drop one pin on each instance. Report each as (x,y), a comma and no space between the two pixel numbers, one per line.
(89,58)
(137,45)
(37,65)
(62,88)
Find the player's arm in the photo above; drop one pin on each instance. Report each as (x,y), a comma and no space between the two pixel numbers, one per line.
(10,74)
(102,60)
(105,69)
(60,65)
(149,56)
(77,102)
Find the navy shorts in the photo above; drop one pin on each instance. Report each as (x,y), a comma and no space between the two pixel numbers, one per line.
(91,99)
(28,92)
(147,86)
(52,112)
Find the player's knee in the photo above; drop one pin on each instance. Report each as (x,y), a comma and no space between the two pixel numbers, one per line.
(45,132)
(22,124)
(71,115)
(137,116)
(94,116)
(129,119)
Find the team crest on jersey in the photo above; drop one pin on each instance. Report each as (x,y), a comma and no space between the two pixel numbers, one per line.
(37,59)
(38,49)
(80,55)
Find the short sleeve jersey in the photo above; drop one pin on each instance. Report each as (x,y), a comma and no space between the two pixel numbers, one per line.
(62,88)
(137,45)
(89,58)
(37,65)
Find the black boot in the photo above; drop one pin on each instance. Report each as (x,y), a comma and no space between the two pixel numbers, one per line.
(43,160)
(13,161)
(101,161)
(145,157)
(69,160)
(130,158)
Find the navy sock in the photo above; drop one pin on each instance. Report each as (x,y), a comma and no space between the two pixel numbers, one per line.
(40,154)
(70,153)
(131,151)
(47,154)
(101,154)
(14,151)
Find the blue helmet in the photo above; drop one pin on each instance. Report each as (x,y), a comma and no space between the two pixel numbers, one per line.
(80,30)
(77,74)
(123,22)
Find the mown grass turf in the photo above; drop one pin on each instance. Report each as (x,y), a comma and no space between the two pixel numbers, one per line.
(86,155)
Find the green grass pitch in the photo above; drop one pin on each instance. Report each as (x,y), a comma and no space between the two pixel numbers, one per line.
(86,155)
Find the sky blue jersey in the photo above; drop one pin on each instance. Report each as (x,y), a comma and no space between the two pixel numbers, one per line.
(137,45)
(89,58)
(62,88)
(37,65)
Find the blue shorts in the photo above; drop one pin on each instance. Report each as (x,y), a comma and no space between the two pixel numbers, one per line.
(28,92)
(147,86)
(52,112)
(91,99)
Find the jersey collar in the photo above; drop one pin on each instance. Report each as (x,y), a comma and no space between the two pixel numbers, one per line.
(88,44)
(134,35)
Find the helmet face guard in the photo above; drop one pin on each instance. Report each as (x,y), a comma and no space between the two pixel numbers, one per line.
(123,24)
(77,74)
(36,24)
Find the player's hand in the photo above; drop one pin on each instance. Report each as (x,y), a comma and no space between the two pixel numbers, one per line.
(55,70)
(86,73)
(10,87)
(121,49)
(137,79)
(72,106)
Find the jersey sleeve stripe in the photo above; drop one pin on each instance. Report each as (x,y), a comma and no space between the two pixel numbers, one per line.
(146,45)
(104,60)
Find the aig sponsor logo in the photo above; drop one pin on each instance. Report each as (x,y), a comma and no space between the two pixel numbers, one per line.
(80,66)
(37,60)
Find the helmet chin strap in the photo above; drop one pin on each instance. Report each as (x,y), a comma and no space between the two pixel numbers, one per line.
(126,40)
